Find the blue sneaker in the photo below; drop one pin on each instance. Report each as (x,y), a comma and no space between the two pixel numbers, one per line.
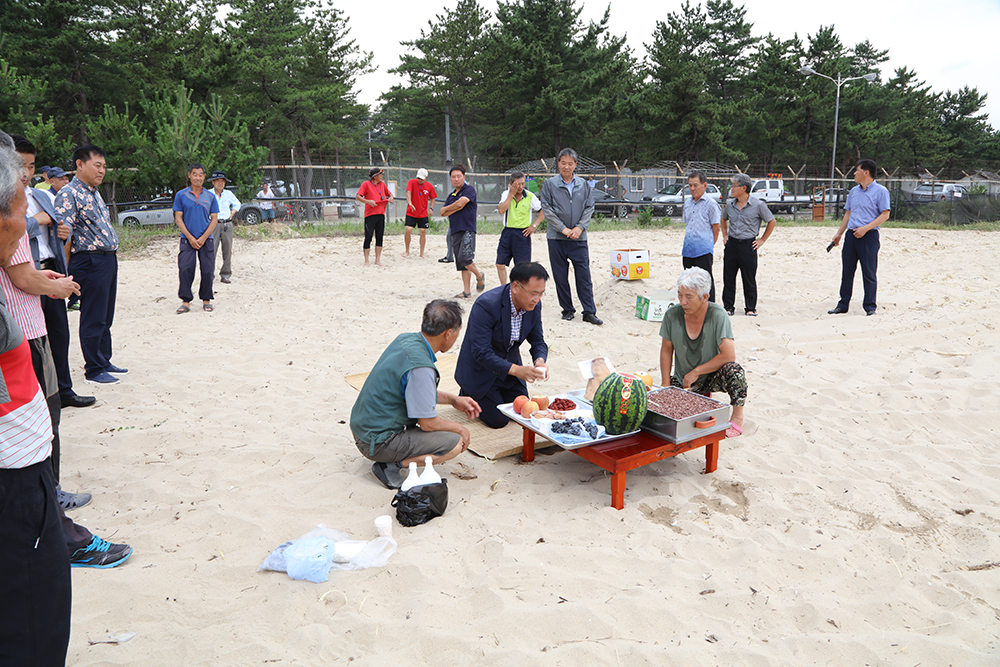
(100,554)
(102,378)
(116,370)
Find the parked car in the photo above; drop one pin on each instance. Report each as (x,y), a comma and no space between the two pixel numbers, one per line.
(670,200)
(603,203)
(833,195)
(931,192)
(158,212)
(773,193)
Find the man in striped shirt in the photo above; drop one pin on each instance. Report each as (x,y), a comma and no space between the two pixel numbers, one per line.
(35,587)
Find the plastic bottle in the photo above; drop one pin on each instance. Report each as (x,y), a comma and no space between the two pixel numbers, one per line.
(429,475)
(412,479)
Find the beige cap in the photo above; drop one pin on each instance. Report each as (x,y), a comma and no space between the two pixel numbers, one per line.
(422,173)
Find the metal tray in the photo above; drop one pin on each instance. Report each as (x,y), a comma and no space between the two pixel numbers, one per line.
(508,409)
(682,430)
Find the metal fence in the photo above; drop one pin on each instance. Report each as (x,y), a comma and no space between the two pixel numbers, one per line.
(325,193)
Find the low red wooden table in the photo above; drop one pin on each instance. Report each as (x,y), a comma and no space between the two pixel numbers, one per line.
(629,453)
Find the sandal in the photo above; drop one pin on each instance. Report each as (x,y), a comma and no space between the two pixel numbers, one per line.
(480,282)
(751,313)
(208,307)
(733,431)
(184,309)
(463,295)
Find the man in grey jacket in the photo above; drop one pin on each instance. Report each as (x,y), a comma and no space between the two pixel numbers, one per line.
(568,204)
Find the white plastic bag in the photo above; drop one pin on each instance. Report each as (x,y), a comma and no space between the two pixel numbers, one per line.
(312,556)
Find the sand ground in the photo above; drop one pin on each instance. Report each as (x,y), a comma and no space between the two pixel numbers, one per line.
(854,523)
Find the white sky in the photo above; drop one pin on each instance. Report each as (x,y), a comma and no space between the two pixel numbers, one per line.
(946,43)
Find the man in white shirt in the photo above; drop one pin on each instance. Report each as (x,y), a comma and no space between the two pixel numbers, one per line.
(266,207)
(229,206)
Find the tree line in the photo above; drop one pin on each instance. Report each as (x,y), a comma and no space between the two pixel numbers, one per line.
(242,83)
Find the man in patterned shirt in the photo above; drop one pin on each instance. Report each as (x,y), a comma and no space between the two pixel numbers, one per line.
(93,261)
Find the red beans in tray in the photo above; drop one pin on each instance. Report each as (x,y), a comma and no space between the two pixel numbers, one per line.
(678,404)
(562,404)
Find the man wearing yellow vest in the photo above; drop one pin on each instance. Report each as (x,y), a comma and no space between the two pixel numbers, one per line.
(516,205)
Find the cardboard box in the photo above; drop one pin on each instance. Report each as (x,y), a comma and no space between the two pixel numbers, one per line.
(630,264)
(652,308)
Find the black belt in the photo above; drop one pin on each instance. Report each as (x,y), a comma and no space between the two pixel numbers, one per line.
(48,264)
(95,252)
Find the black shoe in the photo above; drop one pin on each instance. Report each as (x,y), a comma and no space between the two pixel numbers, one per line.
(869,312)
(75,401)
(568,316)
(836,311)
(444,260)
(592,318)
(100,554)
(389,474)
(225,280)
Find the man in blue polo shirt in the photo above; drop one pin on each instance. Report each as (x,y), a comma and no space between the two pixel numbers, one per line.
(702,218)
(196,213)
(867,208)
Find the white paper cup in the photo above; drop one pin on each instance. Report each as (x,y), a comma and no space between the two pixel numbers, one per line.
(383,525)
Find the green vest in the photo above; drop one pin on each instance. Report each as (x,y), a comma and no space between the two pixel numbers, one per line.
(519,212)
(380,411)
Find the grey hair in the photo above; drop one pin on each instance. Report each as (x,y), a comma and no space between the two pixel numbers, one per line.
(699,174)
(441,315)
(567,152)
(11,170)
(743,181)
(696,279)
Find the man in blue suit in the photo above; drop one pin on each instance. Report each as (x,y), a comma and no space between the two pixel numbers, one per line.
(489,366)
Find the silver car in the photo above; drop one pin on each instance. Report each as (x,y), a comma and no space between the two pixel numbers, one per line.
(670,200)
(931,192)
(153,214)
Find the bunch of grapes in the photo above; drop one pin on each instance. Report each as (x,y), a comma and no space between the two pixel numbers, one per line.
(576,426)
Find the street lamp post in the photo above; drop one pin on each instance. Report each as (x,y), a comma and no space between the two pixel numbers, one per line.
(836,113)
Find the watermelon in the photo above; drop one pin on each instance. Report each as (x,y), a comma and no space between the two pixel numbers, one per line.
(620,403)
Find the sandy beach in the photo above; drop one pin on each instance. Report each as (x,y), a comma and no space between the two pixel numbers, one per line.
(855,522)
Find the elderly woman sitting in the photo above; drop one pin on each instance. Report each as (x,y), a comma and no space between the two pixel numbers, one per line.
(698,346)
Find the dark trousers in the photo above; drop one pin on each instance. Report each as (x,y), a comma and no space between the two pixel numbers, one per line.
(186,258)
(703,262)
(35,588)
(97,275)
(57,325)
(561,253)
(862,251)
(450,255)
(504,390)
(37,345)
(740,257)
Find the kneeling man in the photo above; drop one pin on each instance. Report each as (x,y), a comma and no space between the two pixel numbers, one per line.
(394,420)
(698,345)
(489,365)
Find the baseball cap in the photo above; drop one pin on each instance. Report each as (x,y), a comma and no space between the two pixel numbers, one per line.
(56,172)
(44,169)
(219,174)
(373,172)
(422,173)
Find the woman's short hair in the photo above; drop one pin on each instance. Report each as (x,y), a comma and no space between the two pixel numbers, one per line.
(696,279)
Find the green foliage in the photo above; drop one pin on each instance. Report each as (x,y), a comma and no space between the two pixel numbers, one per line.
(154,155)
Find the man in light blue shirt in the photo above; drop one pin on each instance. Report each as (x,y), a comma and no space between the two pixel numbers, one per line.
(867,208)
(229,206)
(701,227)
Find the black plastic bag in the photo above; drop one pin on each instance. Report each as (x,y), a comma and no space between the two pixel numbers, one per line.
(422,503)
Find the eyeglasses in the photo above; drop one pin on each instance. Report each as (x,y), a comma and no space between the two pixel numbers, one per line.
(533,295)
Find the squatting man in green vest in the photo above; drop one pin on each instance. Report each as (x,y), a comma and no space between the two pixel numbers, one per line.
(394,420)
